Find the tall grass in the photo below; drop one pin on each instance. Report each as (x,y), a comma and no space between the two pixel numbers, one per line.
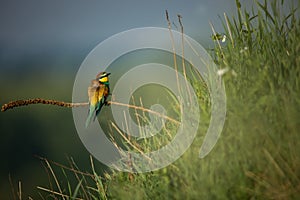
(257,156)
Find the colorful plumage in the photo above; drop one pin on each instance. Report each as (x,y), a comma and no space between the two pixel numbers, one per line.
(98,92)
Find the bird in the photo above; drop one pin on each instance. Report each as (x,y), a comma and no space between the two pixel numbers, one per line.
(98,92)
(103,79)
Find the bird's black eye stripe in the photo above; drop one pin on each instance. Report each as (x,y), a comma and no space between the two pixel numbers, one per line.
(104,75)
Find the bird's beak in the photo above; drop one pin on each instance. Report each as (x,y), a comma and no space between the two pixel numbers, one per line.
(108,74)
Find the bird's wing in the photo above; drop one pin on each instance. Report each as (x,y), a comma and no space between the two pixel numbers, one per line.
(100,98)
(93,93)
(102,91)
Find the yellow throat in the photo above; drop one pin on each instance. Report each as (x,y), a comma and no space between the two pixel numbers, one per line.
(104,79)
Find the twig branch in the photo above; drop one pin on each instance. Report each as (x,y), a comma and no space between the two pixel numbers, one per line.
(183,58)
(145,110)
(56,193)
(65,167)
(55,178)
(129,142)
(173,49)
(19,103)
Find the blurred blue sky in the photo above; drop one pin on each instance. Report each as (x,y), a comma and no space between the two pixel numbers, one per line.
(34,27)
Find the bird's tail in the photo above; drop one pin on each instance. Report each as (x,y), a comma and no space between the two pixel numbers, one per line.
(91,115)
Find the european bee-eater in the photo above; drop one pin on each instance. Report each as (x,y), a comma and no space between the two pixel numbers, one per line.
(98,92)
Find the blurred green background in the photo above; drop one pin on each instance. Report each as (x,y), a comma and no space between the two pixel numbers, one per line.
(42,45)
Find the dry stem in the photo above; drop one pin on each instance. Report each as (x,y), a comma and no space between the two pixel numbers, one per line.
(18,103)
